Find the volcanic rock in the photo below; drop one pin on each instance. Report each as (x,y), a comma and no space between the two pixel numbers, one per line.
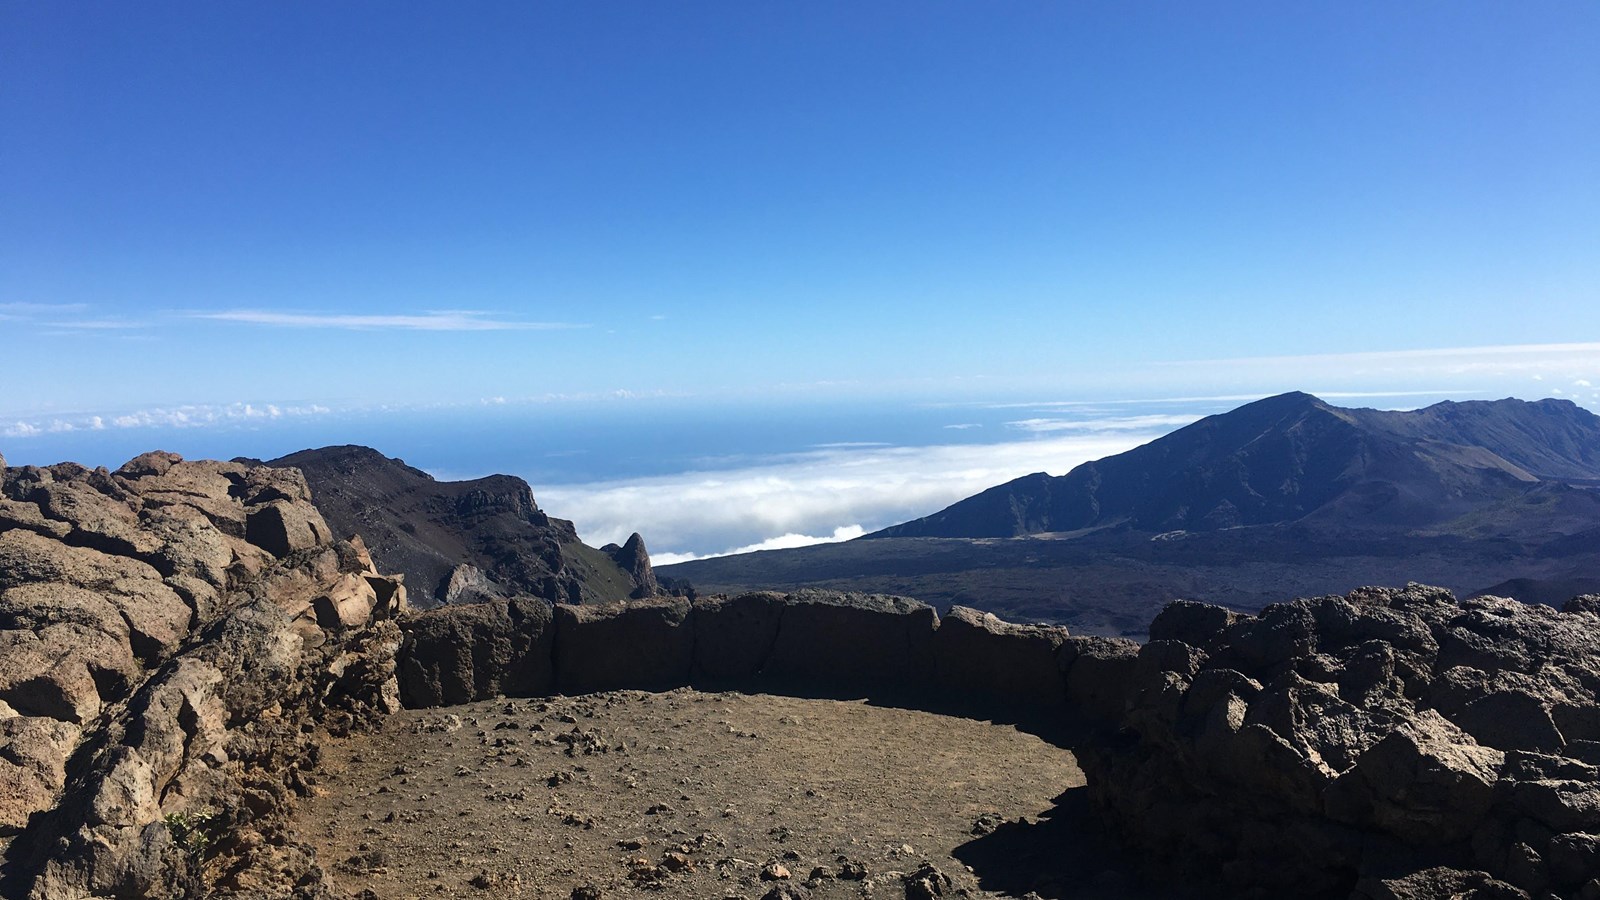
(426,529)
(182,669)
(1394,743)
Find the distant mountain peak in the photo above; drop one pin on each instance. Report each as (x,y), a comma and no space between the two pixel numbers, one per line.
(1292,457)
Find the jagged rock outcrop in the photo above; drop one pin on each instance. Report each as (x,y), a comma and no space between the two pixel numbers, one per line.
(633,559)
(465,541)
(172,637)
(1389,743)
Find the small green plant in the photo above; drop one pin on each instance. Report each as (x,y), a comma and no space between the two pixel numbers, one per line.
(192,831)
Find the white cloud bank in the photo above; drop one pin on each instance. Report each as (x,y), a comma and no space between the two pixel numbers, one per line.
(781,542)
(838,492)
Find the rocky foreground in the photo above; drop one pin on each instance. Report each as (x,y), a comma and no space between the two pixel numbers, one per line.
(178,640)
(173,637)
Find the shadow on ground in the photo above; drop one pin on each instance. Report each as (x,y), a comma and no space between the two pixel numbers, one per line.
(1065,855)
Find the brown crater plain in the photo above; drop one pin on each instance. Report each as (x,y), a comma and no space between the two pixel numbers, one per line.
(692,794)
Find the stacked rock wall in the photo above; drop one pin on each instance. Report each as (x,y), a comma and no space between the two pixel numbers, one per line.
(1389,743)
(809,642)
(171,634)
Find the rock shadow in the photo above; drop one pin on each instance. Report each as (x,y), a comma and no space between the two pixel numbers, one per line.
(1066,855)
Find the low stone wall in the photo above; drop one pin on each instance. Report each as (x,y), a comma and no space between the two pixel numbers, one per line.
(808,642)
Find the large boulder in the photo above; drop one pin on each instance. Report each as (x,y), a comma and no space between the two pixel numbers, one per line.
(282,527)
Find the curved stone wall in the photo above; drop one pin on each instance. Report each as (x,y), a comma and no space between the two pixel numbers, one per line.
(808,643)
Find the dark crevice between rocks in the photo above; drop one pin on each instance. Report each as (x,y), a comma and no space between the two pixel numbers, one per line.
(189,724)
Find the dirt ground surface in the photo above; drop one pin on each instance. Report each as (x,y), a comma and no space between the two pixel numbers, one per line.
(714,795)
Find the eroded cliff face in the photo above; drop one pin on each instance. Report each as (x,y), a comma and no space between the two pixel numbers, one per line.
(173,635)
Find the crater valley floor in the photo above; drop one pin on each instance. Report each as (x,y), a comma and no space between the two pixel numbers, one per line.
(691,794)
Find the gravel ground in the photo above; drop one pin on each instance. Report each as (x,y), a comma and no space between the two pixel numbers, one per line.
(690,794)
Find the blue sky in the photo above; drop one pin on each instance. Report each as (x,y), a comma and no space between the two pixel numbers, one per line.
(223,215)
(307,203)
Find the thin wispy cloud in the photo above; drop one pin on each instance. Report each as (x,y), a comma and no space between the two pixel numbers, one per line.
(95,324)
(442,320)
(1217,398)
(1127,423)
(21,308)
(1500,359)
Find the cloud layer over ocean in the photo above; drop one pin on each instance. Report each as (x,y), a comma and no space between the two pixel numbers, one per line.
(827,494)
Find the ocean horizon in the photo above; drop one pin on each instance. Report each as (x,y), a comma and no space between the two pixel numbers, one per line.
(695,480)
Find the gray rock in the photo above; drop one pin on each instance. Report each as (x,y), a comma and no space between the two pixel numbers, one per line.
(1099,675)
(1436,883)
(1195,624)
(282,527)
(1427,782)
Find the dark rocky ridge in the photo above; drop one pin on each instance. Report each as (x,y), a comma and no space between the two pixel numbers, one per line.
(426,529)
(1294,458)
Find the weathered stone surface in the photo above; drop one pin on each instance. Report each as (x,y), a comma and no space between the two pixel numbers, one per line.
(734,636)
(33,766)
(468,584)
(1426,783)
(978,655)
(1098,673)
(183,671)
(1437,884)
(644,644)
(857,644)
(1195,624)
(157,617)
(1388,737)
(57,670)
(456,654)
(281,527)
